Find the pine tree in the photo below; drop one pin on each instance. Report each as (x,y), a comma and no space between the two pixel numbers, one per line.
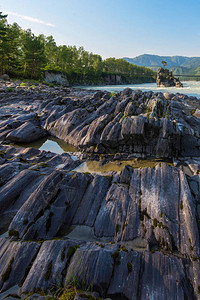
(33,54)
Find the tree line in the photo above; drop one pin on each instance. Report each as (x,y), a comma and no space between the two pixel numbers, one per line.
(25,55)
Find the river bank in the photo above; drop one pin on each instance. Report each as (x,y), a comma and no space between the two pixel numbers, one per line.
(128,225)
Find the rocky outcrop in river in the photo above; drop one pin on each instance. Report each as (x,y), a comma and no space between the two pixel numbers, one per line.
(165,78)
(132,234)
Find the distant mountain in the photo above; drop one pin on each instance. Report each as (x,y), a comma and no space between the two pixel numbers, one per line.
(178,64)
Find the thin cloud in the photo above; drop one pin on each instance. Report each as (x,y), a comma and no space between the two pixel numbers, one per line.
(35,20)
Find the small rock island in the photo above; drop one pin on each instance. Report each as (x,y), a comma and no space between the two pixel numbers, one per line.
(165,78)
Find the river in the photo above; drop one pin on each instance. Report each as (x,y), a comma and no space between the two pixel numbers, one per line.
(190,88)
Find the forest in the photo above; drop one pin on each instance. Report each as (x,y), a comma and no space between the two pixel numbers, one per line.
(25,55)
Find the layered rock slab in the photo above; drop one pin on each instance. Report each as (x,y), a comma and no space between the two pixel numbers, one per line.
(15,260)
(149,214)
(154,204)
(145,275)
(144,124)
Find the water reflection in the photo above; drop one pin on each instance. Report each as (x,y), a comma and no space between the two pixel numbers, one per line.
(116,166)
(51,144)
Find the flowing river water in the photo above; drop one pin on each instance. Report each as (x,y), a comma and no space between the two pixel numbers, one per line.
(190,88)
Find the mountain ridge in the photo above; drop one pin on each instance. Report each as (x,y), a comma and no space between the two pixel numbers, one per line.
(178,64)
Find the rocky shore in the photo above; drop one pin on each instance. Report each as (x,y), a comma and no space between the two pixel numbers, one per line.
(132,234)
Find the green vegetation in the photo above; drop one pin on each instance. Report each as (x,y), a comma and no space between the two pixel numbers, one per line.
(160,110)
(44,165)
(123,248)
(10,90)
(2,153)
(69,294)
(124,226)
(155,222)
(148,111)
(25,55)
(100,245)
(23,84)
(164,63)
(191,247)
(6,274)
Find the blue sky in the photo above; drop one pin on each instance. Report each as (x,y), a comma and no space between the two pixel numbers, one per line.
(113,28)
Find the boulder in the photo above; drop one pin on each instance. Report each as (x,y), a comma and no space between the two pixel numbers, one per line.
(5,77)
(57,78)
(26,133)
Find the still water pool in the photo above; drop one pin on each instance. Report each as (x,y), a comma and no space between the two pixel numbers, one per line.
(96,168)
(51,144)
